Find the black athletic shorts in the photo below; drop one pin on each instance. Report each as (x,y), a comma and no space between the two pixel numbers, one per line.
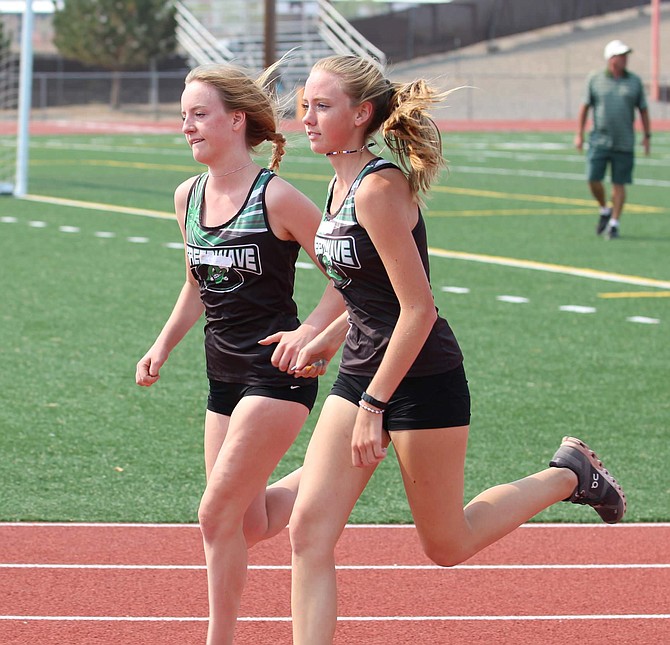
(420,402)
(223,397)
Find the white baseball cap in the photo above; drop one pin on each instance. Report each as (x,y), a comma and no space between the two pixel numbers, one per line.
(616,48)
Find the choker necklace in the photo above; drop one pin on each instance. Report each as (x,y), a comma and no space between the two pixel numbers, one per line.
(231,172)
(350,152)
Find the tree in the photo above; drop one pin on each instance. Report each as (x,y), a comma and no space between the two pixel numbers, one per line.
(115,34)
(5,41)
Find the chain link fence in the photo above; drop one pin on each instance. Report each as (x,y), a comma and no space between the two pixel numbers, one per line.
(483,96)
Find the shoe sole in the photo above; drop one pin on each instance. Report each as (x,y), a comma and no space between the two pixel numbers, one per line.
(579,445)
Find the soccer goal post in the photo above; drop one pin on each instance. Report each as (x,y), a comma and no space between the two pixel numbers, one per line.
(16,77)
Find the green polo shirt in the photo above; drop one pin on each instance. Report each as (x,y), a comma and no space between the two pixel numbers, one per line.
(614,101)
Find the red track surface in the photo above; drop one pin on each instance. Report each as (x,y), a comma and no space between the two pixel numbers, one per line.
(137,584)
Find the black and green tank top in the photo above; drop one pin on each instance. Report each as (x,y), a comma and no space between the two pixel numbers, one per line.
(246,277)
(350,259)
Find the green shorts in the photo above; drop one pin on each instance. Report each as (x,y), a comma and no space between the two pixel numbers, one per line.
(621,165)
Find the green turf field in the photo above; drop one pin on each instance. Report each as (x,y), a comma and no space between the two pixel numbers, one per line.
(91,270)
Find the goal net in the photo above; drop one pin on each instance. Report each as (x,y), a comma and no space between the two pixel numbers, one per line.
(9,99)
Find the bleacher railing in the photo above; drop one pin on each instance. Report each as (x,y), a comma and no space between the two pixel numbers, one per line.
(197,41)
(342,37)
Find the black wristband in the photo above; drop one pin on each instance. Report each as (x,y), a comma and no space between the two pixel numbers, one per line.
(372,401)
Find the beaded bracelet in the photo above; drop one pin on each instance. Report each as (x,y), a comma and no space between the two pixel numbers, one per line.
(367,409)
(372,401)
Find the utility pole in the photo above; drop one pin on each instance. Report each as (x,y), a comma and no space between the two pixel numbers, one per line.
(270,41)
(655,48)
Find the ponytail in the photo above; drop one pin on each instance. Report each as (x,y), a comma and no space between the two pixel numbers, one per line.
(400,112)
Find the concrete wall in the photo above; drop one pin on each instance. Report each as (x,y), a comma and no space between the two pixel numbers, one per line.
(432,28)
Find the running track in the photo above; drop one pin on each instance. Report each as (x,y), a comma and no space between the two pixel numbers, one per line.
(79,584)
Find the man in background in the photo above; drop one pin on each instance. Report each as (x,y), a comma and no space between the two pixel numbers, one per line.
(613,93)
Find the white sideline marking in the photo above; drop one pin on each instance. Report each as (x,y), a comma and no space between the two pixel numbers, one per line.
(455,289)
(518,300)
(578,309)
(644,320)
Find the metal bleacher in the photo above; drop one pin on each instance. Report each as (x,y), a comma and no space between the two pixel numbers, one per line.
(210,31)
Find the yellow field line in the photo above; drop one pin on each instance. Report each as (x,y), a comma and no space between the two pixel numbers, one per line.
(636,294)
(593,274)
(135,165)
(511,211)
(471,192)
(457,255)
(494,194)
(588,204)
(72,203)
(546,199)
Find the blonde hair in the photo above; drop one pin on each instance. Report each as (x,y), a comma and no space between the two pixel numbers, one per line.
(239,91)
(400,111)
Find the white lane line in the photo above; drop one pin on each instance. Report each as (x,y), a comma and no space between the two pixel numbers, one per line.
(529,525)
(286,619)
(345,567)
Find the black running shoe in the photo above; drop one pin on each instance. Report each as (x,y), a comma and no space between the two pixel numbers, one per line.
(603,221)
(612,232)
(596,486)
